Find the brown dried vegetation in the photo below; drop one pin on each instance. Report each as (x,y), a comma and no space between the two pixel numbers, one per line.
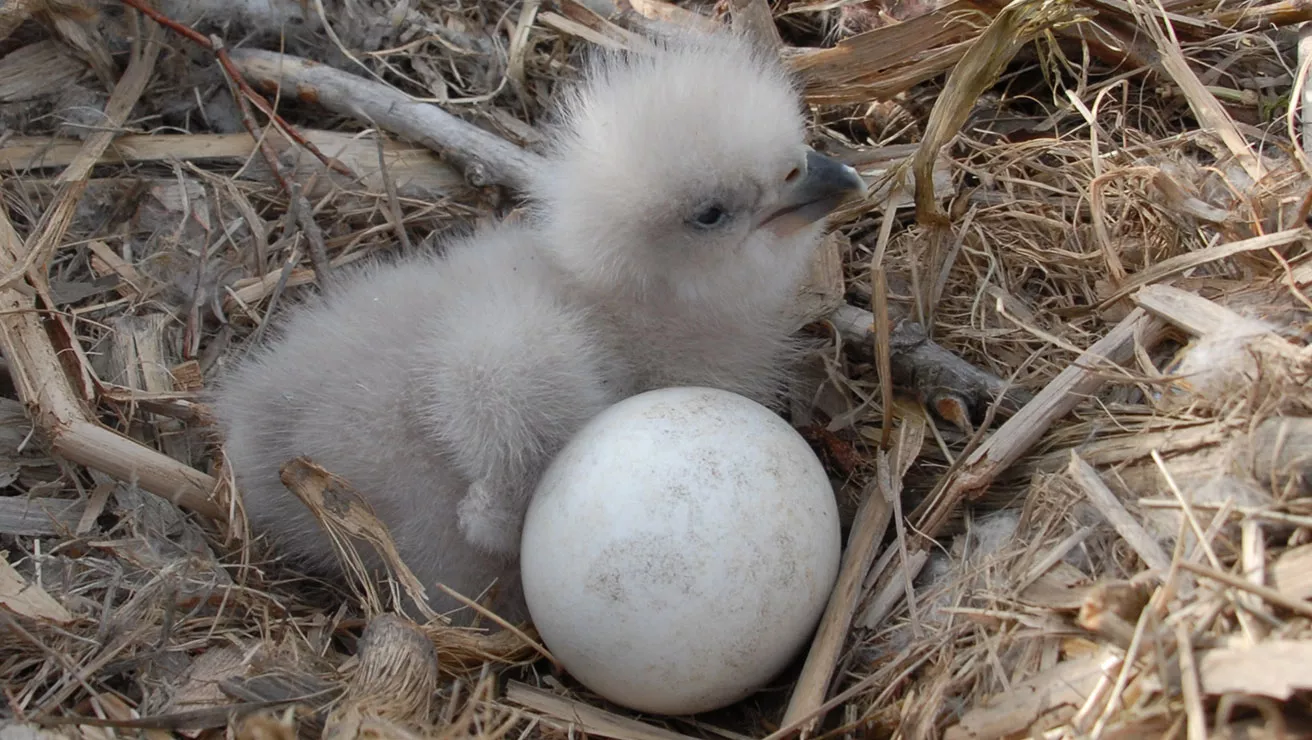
(1101,205)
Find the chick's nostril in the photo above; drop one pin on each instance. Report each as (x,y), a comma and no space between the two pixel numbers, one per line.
(793,174)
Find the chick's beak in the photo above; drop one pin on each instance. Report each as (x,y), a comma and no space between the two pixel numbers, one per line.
(826,184)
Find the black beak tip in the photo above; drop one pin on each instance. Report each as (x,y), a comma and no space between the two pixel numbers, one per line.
(830,174)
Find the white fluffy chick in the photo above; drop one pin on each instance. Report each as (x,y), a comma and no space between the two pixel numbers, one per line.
(671,230)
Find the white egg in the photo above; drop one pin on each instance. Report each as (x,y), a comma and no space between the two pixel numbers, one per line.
(678,553)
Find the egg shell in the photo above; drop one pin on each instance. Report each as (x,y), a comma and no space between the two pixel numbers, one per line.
(679,551)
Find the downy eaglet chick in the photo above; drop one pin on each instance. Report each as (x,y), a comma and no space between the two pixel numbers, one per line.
(669,233)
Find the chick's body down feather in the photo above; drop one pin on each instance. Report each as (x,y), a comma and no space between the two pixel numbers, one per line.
(420,382)
(670,230)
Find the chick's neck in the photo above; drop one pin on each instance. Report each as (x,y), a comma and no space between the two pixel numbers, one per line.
(737,338)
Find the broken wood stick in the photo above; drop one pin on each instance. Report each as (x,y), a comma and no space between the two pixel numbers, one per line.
(73,434)
(1019,433)
(39,375)
(1111,508)
(573,717)
(485,158)
(872,518)
(417,172)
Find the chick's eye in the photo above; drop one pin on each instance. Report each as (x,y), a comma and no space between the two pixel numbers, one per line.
(710,216)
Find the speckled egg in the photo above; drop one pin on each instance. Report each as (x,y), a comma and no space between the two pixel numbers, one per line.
(678,553)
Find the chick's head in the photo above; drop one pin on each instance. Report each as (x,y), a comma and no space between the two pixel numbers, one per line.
(683,172)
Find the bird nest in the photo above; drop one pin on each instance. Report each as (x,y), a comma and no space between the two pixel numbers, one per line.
(1064,397)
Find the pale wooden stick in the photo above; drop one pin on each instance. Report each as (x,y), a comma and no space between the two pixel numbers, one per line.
(1071,386)
(416,171)
(485,158)
(1114,511)
(566,713)
(872,519)
(1190,686)
(1253,560)
(1268,594)
(889,587)
(1190,311)
(29,599)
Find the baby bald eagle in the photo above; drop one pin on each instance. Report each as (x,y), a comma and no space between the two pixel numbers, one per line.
(670,231)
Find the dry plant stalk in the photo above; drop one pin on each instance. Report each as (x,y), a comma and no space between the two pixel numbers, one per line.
(415,170)
(571,716)
(39,375)
(394,682)
(345,515)
(872,519)
(1020,432)
(28,599)
(1114,512)
(883,62)
(978,70)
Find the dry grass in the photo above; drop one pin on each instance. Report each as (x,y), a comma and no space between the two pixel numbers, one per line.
(1103,209)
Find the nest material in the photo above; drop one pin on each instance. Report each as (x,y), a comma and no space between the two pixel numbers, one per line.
(1101,207)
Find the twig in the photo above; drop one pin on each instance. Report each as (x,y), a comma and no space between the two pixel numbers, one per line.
(485,158)
(271,284)
(234,74)
(1113,511)
(1021,431)
(888,583)
(393,200)
(1190,686)
(304,214)
(40,377)
(883,349)
(1268,594)
(411,170)
(872,519)
(567,714)
(262,143)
